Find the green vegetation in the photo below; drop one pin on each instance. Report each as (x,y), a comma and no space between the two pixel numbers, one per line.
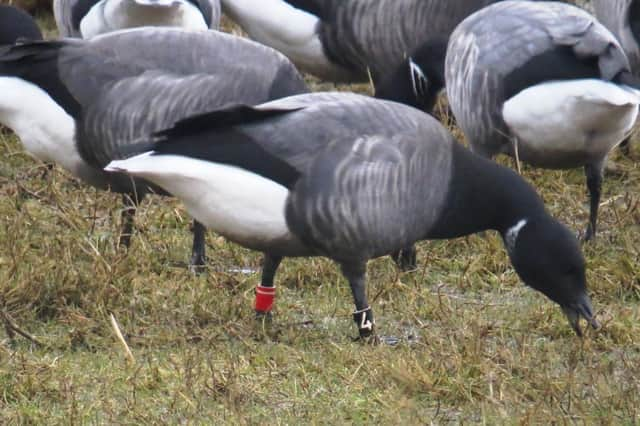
(475,344)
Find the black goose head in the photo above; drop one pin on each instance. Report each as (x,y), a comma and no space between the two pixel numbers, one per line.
(16,24)
(547,257)
(418,79)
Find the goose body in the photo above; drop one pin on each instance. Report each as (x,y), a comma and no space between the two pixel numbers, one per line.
(16,24)
(537,118)
(87,18)
(369,178)
(548,81)
(83,122)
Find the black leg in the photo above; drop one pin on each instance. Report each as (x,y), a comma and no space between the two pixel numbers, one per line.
(128,213)
(198,258)
(594,184)
(406,258)
(266,292)
(363,315)
(269,269)
(624,146)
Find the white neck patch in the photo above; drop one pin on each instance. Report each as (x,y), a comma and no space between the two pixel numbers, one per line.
(511,236)
(419,81)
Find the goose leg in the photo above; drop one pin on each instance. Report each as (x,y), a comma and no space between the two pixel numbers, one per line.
(593,173)
(624,146)
(406,258)
(266,291)
(198,258)
(128,213)
(363,315)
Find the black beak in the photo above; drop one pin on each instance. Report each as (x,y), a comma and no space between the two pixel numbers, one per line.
(580,308)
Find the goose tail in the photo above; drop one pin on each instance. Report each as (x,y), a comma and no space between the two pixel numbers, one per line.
(132,165)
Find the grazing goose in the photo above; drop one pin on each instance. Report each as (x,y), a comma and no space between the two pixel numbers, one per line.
(368,178)
(77,102)
(544,82)
(16,24)
(341,40)
(86,18)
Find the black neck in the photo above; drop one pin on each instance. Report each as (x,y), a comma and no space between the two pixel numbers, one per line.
(402,86)
(484,195)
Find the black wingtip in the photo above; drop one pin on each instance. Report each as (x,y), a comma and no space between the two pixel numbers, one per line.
(24,49)
(229,116)
(212,137)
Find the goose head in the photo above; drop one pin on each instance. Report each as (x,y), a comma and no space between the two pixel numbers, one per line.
(547,257)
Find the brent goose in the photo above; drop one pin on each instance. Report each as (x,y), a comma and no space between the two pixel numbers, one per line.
(353,40)
(544,82)
(368,177)
(77,103)
(86,18)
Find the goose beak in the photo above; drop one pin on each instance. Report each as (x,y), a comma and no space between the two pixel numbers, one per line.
(580,309)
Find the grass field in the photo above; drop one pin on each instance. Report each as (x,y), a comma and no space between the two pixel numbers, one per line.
(474,345)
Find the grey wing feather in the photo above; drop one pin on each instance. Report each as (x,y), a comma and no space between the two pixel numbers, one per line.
(612,13)
(86,67)
(133,108)
(512,32)
(327,116)
(138,106)
(132,83)
(62,14)
(365,197)
(616,15)
(185,52)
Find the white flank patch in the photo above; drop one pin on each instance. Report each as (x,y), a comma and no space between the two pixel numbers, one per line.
(240,205)
(46,131)
(511,236)
(112,15)
(587,115)
(285,28)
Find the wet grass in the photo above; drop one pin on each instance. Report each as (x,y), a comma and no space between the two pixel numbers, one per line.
(475,345)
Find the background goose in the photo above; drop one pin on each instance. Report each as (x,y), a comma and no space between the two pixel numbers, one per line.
(86,18)
(545,79)
(79,103)
(16,24)
(369,178)
(341,40)
(622,18)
